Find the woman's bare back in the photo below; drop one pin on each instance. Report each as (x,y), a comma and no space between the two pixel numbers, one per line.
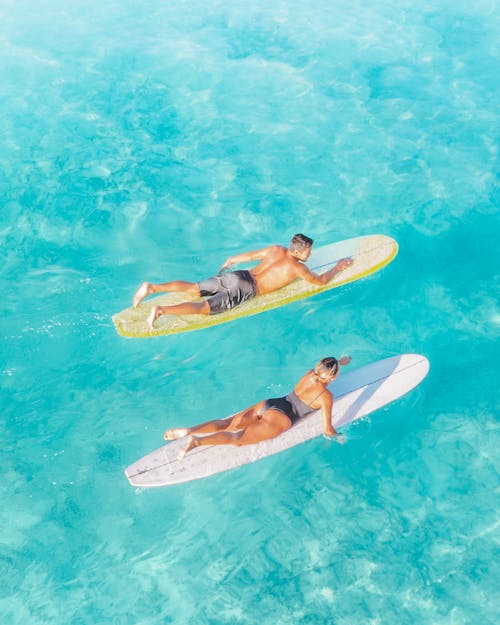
(309,390)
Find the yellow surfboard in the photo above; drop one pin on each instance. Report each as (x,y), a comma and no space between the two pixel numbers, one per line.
(369,253)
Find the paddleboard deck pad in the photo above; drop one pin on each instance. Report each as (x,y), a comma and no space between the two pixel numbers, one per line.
(357,394)
(369,253)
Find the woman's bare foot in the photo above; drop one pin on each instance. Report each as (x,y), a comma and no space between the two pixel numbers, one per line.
(190,445)
(175,433)
(153,316)
(143,291)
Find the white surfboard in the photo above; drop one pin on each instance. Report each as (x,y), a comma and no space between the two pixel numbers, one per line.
(357,394)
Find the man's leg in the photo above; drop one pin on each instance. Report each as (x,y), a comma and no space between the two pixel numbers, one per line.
(187,308)
(147,288)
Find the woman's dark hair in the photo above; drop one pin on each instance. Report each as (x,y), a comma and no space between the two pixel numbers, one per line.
(327,365)
(299,243)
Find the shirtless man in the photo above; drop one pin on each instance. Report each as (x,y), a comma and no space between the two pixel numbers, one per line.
(278,267)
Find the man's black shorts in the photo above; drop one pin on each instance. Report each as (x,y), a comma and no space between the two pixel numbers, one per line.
(228,290)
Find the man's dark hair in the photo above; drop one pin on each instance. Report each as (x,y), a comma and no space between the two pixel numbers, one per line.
(300,242)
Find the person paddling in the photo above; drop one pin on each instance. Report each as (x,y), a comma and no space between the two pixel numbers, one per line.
(277,267)
(271,417)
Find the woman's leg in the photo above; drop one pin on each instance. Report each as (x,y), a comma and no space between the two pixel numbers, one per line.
(147,288)
(238,421)
(272,423)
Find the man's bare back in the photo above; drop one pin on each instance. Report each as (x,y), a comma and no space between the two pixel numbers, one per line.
(277,268)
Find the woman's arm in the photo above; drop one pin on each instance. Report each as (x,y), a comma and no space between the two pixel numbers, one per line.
(326,412)
(326,407)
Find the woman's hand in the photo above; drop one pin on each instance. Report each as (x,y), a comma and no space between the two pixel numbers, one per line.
(345,360)
(335,436)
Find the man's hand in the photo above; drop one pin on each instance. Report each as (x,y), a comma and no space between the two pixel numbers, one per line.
(323,278)
(343,264)
(227,265)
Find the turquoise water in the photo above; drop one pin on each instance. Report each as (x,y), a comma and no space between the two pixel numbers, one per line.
(150,140)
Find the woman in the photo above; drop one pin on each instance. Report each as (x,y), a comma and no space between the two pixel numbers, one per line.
(270,417)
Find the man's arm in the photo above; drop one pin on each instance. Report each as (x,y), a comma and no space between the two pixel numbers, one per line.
(247,257)
(319,279)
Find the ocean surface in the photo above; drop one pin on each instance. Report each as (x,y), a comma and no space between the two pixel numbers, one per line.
(152,140)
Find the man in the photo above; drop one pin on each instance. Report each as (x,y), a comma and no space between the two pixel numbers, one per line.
(278,267)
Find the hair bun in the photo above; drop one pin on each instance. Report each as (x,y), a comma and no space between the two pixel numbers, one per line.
(329,365)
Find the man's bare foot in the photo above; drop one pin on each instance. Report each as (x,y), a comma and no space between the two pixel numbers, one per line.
(190,445)
(175,433)
(153,316)
(143,291)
